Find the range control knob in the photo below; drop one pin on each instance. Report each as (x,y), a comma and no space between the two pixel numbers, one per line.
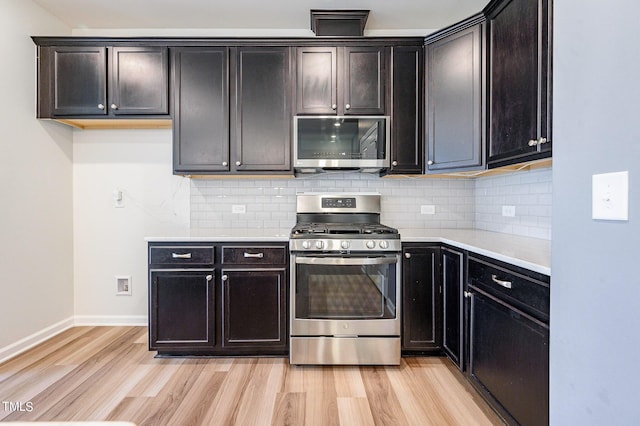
(384,244)
(370,244)
(345,244)
(319,244)
(306,244)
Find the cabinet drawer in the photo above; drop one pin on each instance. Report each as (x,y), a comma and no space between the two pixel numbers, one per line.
(529,293)
(181,255)
(254,255)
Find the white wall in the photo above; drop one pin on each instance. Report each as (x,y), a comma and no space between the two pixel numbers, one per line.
(595,287)
(36,250)
(109,241)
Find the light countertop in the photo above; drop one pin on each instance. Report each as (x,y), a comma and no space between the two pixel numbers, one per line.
(526,252)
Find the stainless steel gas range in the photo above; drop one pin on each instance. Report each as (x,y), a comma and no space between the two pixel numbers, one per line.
(345,282)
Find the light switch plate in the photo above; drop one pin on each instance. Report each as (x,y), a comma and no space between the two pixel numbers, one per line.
(610,196)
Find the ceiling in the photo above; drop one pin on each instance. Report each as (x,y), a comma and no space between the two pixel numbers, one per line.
(392,16)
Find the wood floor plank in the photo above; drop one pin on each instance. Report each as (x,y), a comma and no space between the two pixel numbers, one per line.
(107,373)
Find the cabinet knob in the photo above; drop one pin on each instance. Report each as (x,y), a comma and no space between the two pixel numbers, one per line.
(334,107)
(209,277)
(467,294)
(430,162)
(394,163)
(407,255)
(238,163)
(542,141)
(114,106)
(347,106)
(533,142)
(100,106)
(225,164)
(225,277)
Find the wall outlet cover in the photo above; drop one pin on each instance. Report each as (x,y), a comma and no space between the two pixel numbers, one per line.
(238,209)
(427,209)
(509,211)
(610,196)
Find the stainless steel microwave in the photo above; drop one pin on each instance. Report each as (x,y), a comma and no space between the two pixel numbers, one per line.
(323,143)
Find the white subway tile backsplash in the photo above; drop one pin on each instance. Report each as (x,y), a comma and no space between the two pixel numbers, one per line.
(460,203)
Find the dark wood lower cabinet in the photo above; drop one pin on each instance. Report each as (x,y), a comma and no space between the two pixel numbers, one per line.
(254,313)
(453,305)
(181,309)
(421,298)
(218,299)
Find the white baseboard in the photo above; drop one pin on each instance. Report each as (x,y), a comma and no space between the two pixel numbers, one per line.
(36,338)
(93,320)
(28,342)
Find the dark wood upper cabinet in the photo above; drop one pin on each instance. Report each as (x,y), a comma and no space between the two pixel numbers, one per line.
(407,144)
(455,94)
(262,113)
(201,109)
(519,80)
(341,80)
(100,81)
(139,80)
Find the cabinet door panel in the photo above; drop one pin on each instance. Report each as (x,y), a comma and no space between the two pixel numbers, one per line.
(263,111)
(79,81)
(201,109)
(406,110)
(509,358)
(181,311)
(454,96)
(421,299)
(317,80)
(452,306)
(254,307)
(519,81)
(139,80)
(364,80)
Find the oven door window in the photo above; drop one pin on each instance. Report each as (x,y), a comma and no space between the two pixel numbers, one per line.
(345,288)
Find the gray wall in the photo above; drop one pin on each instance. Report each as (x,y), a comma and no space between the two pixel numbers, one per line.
(595,289)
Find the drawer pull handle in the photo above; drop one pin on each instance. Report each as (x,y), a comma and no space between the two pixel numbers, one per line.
(505,284)
(254,255)
(181,255)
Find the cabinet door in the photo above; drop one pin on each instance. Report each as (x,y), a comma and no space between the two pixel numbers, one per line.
(139,82)
(201,109)
(363,80)
(406,110)
(455,136)
(509,360)
(262,109)
(519,85)
(421,299)
(181,309)
(453,305)
(79,80)
(316,80)
(254,312)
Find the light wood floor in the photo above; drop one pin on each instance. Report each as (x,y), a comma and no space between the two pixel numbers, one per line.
(107,373)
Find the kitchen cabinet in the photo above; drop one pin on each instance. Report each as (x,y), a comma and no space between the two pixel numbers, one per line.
(342,80)
(453,312)
(421,299)
(98,81)
(520,74)
(254,288)
(218,299)
(455,98)
(509,339)
(407,143)
(232,110)
(181,298)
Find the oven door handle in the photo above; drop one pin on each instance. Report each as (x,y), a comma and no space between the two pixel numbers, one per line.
(386,260)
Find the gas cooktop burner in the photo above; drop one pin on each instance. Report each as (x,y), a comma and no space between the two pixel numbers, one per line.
(308,229)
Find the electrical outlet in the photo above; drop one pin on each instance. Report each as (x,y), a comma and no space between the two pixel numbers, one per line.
(427,209)
(239,208)
(509,211)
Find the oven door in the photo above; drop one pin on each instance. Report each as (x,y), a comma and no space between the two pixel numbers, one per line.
(345,295)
